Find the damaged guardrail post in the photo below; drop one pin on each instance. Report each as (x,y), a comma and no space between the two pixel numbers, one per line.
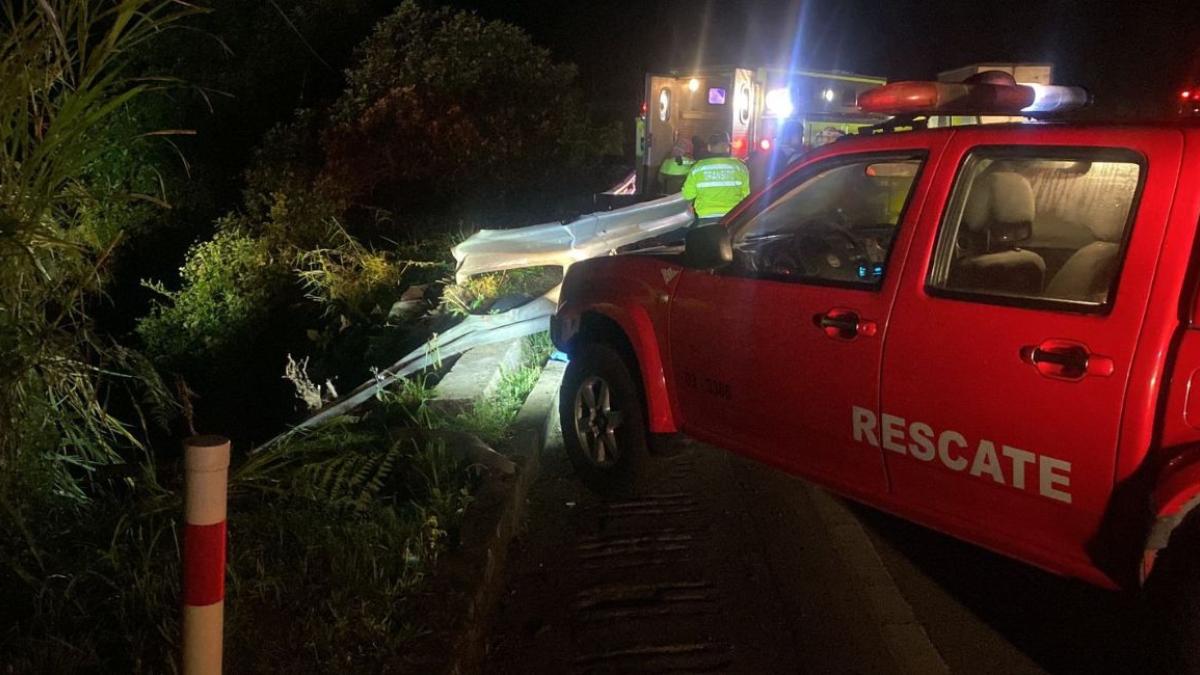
(206,462)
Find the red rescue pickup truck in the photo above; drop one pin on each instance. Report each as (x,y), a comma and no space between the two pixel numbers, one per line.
(993,331)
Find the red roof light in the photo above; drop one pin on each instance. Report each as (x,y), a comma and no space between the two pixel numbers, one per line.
(914,97)
(976,98)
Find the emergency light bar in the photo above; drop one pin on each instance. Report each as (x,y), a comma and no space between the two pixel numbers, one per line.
(910,98)
(1054,98)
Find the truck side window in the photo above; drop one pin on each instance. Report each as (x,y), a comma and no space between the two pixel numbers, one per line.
(1038,227)
(835,226)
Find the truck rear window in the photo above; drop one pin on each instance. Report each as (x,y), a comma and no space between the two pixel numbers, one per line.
(1039,227)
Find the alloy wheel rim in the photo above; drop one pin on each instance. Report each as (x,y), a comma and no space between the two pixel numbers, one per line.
(596,421)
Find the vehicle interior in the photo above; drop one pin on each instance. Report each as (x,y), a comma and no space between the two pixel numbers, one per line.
(1023,227)
(1038,228)
(836,226)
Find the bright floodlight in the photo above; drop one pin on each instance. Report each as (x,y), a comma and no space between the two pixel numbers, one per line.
(1050,98)
(827,95)
(779,103)
(693,84)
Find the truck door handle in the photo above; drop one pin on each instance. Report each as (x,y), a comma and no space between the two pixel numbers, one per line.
(844,324)
(1066,360)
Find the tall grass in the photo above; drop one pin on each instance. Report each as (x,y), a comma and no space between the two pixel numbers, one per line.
(87,550)
(352,517)
(63,75)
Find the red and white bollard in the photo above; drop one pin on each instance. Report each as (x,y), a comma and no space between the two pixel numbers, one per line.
(206,461)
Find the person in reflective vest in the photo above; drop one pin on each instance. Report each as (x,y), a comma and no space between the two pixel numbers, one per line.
(715,185)
(675,168)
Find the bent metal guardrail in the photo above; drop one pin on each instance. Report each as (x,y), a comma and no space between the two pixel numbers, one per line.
(548,244)
(562,244)
(474,331)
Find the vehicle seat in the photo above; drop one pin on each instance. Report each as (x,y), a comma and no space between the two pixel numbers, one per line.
(1088,273)
(998,216)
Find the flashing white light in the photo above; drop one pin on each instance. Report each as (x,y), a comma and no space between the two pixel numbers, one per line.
(664,104)
(779,103)
(1049,98)
(693,85)
(743,104)
(827,95)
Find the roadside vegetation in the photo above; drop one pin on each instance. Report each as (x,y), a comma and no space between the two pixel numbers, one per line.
(187,216)
(389,486)
(481,291)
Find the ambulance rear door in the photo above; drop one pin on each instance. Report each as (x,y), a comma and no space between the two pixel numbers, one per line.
(662,101)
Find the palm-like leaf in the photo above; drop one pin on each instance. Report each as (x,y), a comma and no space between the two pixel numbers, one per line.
(63,75)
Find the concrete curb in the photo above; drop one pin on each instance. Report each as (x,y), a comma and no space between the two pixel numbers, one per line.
(501,508)
(476,374)
(903,635)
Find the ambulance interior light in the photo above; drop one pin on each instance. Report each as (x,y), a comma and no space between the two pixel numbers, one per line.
(693,85)
(779,103)
(765,144)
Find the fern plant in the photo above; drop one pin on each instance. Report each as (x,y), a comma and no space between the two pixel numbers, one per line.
(351,479)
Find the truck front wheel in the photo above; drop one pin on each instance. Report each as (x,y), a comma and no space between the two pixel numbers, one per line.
(1173,592)
(603,423)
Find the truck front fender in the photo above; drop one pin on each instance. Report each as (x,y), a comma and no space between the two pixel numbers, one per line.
(632,331)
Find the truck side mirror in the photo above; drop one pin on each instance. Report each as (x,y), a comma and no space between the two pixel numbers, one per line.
(708,247)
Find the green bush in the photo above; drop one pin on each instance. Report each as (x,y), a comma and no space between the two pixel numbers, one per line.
(447,112)
(282,202)
(228,286)
(357,281)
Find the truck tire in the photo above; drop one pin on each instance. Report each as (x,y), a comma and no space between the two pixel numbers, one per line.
(1173,595)
(603,418)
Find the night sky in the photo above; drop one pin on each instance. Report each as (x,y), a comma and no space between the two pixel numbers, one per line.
(1135,56)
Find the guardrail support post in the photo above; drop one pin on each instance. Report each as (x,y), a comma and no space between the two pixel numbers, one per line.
(206,461)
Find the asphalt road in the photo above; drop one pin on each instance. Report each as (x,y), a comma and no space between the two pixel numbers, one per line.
(717,564)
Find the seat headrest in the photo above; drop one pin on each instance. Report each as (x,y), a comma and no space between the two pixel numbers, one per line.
(1000,209)
(1108,224)
(1000,197)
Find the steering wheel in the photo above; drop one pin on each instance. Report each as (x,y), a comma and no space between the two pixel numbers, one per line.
(816,250)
